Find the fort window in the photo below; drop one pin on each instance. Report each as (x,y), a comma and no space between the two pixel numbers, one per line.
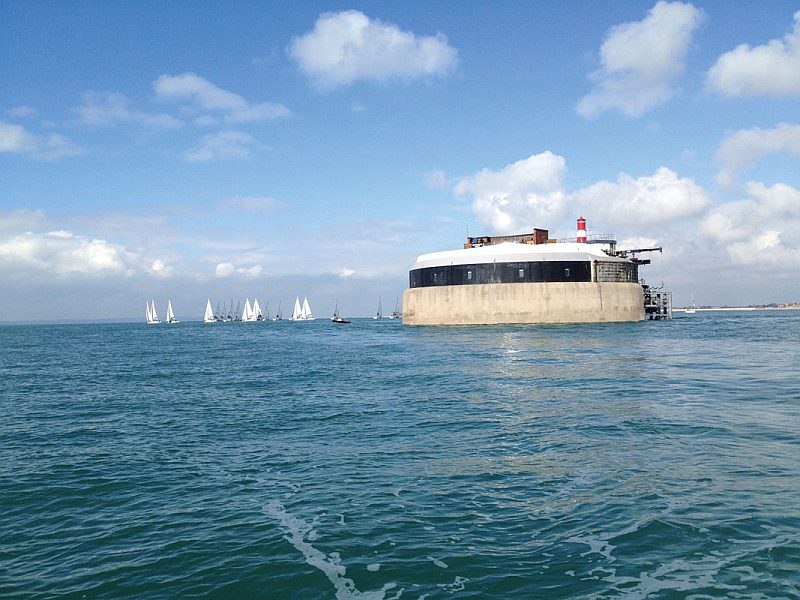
(516,272)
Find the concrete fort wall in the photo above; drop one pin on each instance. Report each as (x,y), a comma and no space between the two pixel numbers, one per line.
(523,303)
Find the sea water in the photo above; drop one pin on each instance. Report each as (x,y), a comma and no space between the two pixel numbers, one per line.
(375,460)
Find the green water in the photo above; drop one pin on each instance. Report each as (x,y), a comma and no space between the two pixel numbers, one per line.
(373,460)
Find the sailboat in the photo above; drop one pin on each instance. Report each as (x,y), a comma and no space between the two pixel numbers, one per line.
(378,314)
(209,317)
(301,313)
(337,318)
(396,314)
(278,315)
(297,312)
(693,308)
(257,311)
(150,315)
(248,314)
(171,315)
(309,316)
(227,313)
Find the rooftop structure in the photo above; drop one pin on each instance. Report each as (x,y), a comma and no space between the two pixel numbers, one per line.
(528,278)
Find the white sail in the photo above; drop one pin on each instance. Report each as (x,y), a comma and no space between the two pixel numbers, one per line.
(209,316)
(257,316)
(151,315)
(301,312)
(297,313)
(170,313)
(247,313)
(307,314)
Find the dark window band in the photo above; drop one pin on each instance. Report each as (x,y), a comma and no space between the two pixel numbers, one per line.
(521,272)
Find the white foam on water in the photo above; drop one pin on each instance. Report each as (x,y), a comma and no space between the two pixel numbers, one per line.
(601,542)
(437,562)
(675,576)
(374,567)
(297,534)
(597,545)
(458,585)
(680,575)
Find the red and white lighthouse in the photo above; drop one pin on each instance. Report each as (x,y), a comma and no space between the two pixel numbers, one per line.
(581,230)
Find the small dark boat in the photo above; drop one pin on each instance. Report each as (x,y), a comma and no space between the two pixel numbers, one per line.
(337,318)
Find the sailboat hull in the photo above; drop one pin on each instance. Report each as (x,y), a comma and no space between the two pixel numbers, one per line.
(302,313)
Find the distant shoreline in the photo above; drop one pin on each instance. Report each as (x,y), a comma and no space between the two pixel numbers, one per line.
(737,308)
(681,309)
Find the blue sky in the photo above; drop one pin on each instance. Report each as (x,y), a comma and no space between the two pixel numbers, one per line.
(195,150)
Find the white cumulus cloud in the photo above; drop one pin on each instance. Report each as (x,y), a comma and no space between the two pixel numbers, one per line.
(348,46)
(109,109)
(160,269)
(659,198)
(743,148)
(222,145)
(251,272)
(207,98)
(640,61)
(759,231)
(224,269)
(519,196)
(770,69)
(16,139)
(62,252)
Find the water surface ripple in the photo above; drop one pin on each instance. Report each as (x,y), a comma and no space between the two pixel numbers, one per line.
(307,460)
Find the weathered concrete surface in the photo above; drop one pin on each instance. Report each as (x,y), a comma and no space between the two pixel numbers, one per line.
(523,303)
